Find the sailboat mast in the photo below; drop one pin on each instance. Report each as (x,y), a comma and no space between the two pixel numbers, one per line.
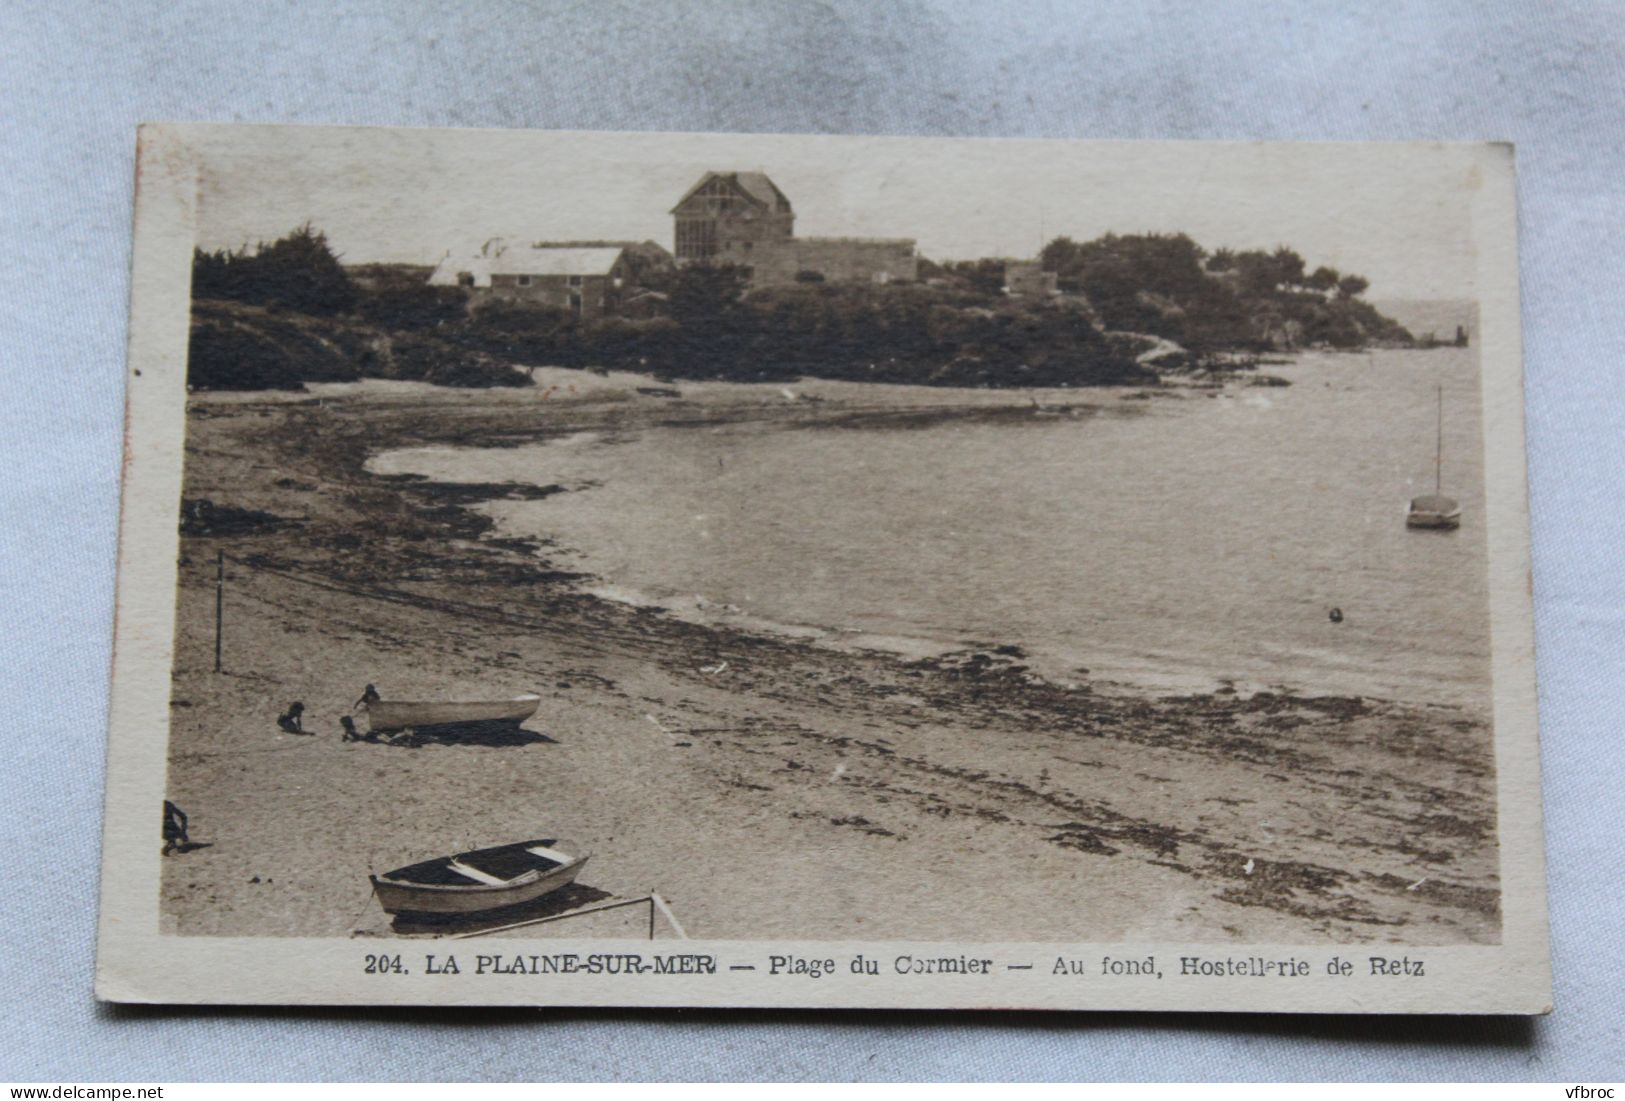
(1438,446)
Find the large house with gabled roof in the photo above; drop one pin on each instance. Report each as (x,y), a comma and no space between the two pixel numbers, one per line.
(743,218)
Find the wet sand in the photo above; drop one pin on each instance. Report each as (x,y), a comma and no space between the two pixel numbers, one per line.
(765,786)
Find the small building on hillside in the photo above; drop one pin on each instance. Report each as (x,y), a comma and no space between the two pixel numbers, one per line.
(743,218)
(1028,279)
(588,282)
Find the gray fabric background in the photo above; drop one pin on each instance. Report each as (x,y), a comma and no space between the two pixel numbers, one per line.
(76,78)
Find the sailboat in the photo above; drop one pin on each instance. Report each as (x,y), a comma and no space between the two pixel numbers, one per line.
(1435,510)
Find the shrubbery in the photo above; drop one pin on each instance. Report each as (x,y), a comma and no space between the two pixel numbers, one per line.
(1169,286)
(263,352)
(219,358)
(898,333)
(296,272)
(413,308)
(424,359)
(302,319)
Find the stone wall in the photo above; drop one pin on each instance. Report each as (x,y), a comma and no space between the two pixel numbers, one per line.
(837,259)
(595,293)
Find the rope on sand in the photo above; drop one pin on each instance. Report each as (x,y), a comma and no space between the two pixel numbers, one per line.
(477,612)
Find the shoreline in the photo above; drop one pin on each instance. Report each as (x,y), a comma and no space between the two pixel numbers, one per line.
(1124,663)
(835,772)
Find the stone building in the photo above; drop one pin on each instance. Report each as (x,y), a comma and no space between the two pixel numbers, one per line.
(589,282)
(1028,279)
(743,218)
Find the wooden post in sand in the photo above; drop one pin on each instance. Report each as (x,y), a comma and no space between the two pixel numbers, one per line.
(219,602)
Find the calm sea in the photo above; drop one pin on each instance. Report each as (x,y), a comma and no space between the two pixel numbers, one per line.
(1189,541)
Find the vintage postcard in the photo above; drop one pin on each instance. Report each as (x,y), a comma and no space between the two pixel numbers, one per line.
(716,570)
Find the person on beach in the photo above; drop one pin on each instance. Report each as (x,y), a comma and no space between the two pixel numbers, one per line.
(174,828)
(292,720)
(351,734)
(370,696)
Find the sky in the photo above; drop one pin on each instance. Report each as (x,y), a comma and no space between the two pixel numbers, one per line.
(1399,214)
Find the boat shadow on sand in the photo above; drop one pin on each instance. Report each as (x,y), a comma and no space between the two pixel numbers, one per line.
(495,735)
(573,897)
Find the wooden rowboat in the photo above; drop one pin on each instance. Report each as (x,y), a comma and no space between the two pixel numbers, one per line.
(384,716)
(485,879)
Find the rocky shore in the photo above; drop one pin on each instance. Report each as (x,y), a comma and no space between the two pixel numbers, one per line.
(765,786)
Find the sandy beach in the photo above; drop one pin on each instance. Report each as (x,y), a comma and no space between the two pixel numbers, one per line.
(765,786)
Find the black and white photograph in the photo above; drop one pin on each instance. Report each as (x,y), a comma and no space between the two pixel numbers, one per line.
(678,541)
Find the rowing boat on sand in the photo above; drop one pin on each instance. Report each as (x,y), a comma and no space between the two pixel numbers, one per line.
(485,879)
(384,716)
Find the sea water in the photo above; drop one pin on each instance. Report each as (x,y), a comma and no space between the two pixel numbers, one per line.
(1176,542)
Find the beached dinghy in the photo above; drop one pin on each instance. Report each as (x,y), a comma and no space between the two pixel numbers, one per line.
(486,879)
(387,716)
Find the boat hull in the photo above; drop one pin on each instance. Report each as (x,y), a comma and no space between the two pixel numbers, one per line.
(1433,512)
(404,890)
(388,715)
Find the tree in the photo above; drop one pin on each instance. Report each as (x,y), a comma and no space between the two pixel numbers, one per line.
(296,272)
(984,276)
(1060,255)
(1258,272)
(1352,286)
(1289,267)
(703,294)
(1222,260)
(1323,279)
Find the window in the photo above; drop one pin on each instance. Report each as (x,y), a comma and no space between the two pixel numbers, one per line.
(696,239)
(575,280)
(524,280)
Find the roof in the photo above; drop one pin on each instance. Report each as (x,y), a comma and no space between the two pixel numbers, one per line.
(754,185)
(555,261)
(650,249)
(501,259)
(858,240)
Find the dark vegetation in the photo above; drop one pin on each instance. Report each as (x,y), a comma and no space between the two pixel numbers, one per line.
(282,314)
(288,312)
(1167,285)
(906,333)
(297,272)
